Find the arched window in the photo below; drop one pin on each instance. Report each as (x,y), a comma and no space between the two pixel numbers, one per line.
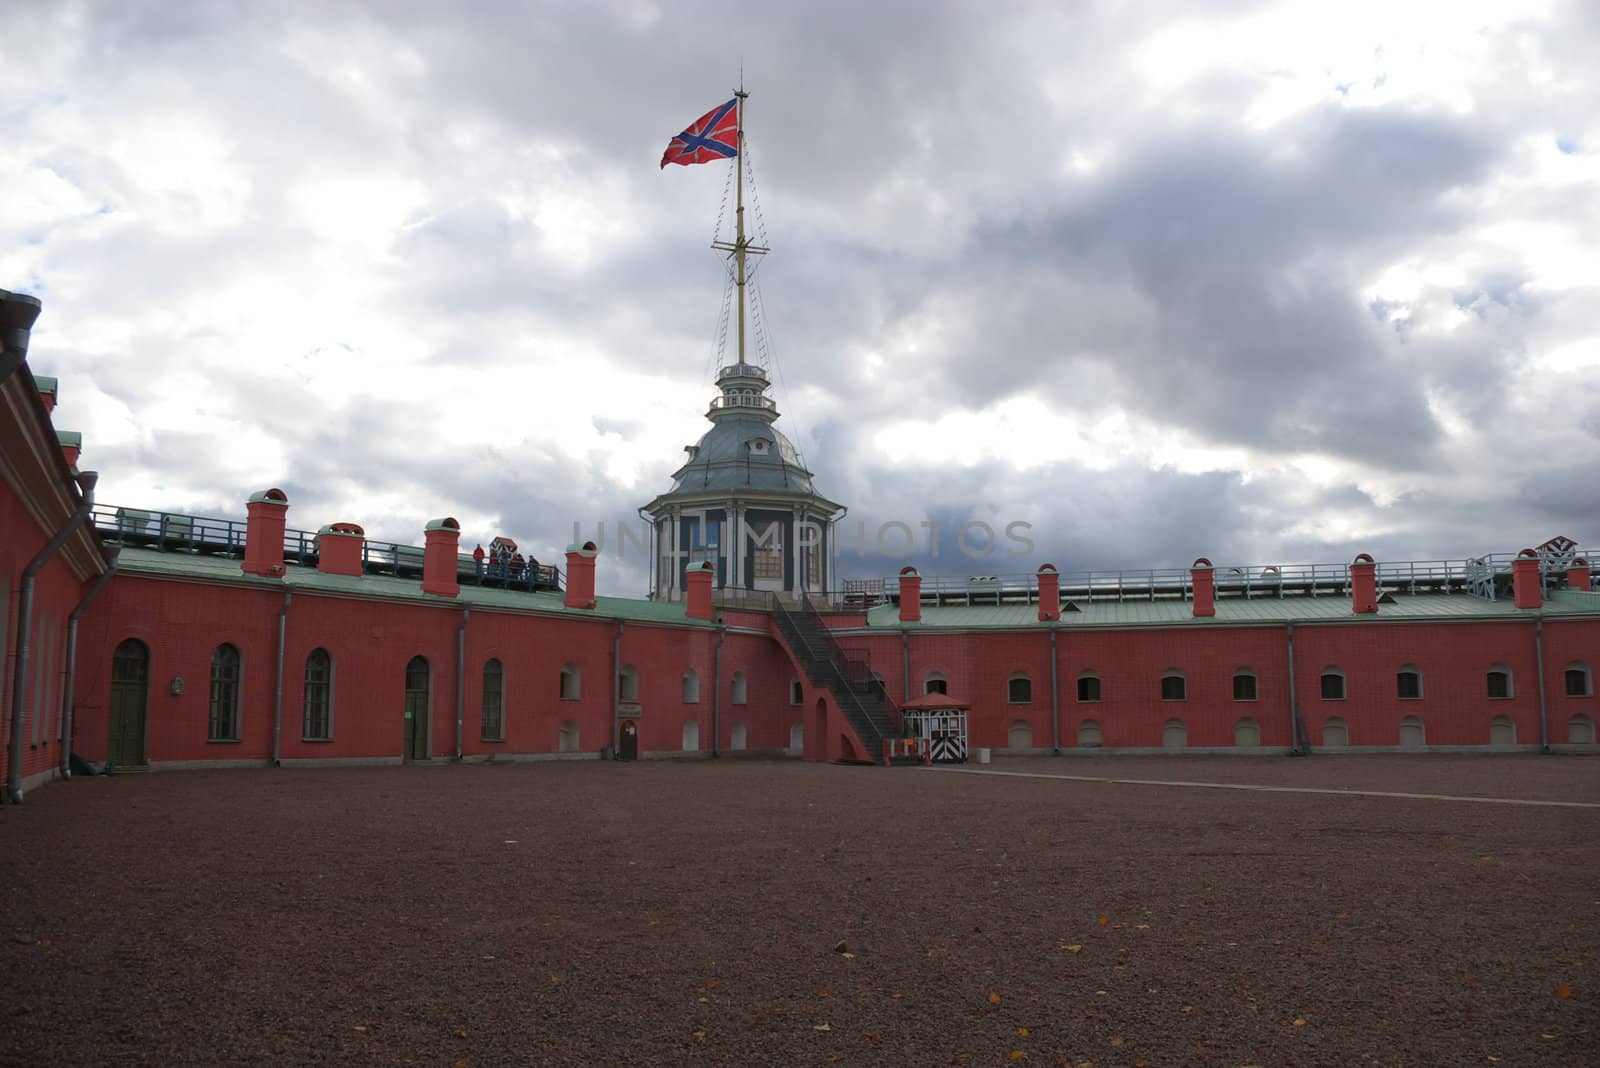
(691,687)
(317,718)
(741,736)
(1579,682)
(1174,735)
(1332,684)
(628,684)
(1088,687)
(1173,687)
(1020,736)
(1244,685)
(935,683)
(691,737)
(1247,733)
(224,726)
(1580,730)
(1502,732)
(1412,734)
(493,727)
(1408,683)
(1089,734)
(571,682)
(1335,735)
(567,741)
(797,692)
(1019,689)
(740,690)
(1498,682)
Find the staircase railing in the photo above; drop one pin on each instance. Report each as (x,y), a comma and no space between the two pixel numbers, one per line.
(804,630)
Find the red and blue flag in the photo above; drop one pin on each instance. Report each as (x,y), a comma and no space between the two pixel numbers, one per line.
(713,136)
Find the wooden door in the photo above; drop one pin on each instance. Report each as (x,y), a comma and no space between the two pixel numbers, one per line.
(130,689)
(417,678)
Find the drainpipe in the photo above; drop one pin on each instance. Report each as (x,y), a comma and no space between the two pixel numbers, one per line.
(461,677)
(277,696)
(616,684)
(19,685)
(1538,655)
(716,695)
(18,312)
(71,671)
(905,663)
(1294,707)
(1055,699)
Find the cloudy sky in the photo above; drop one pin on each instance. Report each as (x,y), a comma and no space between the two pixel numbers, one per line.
(1260,281)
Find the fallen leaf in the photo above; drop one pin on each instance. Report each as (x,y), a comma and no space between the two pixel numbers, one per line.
(874,1037)
(700,1036)
(822,1027)
(458,1033)
(486,957)
(1563,991)
(1023,1031)
(1299,1021)
(1187,1009)
(994,999)
(361,1028)
(1073,949)
(555,978)
(1546,1036)
(1208,889)
(848,956)
(462,1063)
(1104,920)
(1099,993)
(1116,1040)
(1017,1054)
(1344,915)
(1141,927)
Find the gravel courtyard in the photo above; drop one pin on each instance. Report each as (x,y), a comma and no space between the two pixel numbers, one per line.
(749,912)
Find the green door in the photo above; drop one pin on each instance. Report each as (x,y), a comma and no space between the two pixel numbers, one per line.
(417,709)
(130,687)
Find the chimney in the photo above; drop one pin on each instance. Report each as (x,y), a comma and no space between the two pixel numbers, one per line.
(1049,593)
(1525,582)
(910,595)
(1578,575)
(580,575)
(1205,588)
(268,513)
(439,574)
(71,442)
(699,594)
(339,548)
(1364,585)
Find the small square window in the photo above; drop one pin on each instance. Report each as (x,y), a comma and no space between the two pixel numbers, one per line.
(1089,688)
(1332,686)
(1244,687)
(1173,688)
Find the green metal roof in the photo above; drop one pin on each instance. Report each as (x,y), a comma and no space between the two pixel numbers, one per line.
(388,587)
(45,383)
(72,438)
(1299,609)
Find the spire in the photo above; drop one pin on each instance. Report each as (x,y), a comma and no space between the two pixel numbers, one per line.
(740,247)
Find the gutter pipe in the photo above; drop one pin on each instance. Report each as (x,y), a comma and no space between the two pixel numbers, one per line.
(1538,655)
(616,684)
(461,677)
(70,672)
(277,696)
(18,313)
(1055,699)
(1301,744)
(19,685)
(716,695)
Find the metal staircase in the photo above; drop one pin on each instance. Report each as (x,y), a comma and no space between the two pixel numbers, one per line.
(870,712)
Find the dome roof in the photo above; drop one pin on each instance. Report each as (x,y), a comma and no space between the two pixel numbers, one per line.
(743,453)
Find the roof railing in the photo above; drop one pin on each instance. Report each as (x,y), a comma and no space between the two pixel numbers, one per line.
(212,536)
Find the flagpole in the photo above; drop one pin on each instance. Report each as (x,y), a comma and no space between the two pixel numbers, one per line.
(738,214)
